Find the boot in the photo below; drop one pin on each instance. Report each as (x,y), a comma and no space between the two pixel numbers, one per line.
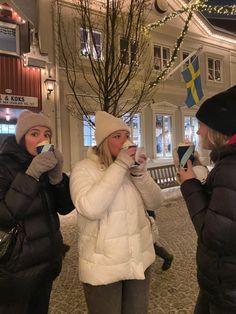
(162,252)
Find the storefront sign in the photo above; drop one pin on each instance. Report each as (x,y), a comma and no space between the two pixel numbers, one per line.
(19,101)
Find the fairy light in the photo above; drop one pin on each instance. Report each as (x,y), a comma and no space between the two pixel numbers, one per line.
(197,5)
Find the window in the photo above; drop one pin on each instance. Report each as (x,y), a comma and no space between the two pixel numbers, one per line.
(7,128)
(128,51)
(9,38)
(163,136)
(214,70)
(161,57)
(184,56)
(89,132)
(135,126)
(90,43)
(190,129)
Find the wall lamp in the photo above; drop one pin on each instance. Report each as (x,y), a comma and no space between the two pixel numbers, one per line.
(50,85)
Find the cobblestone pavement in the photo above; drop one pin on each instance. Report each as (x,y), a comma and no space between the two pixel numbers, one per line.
(172,292)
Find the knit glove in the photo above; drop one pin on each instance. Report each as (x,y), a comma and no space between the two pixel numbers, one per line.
(40,164)
(138,171)
(124,160)
(55,175)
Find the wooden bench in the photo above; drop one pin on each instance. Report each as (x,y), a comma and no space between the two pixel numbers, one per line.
(164,176)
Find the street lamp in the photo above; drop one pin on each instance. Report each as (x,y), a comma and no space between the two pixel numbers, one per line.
(50,84)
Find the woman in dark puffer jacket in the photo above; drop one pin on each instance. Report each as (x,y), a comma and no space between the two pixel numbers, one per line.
(33,190)
(212,206)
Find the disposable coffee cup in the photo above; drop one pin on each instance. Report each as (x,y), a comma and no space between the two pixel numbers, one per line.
(44,147)
(139,152)
(128,144)
(185,153)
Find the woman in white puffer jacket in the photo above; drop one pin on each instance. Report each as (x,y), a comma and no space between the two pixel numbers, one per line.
(111,196)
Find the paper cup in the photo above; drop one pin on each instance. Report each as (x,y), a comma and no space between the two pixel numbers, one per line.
(185,152)
(45,148)
(140,151)
(128,144)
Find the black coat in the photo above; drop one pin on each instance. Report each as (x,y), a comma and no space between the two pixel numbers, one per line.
(212,208)
(34,205)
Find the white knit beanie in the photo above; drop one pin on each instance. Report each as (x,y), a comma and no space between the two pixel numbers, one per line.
(106,124)
(28,119)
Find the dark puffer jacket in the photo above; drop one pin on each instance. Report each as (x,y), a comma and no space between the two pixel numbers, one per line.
(34,205)
(212,208)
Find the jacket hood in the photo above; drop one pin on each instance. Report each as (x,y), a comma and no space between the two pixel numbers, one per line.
(10,148)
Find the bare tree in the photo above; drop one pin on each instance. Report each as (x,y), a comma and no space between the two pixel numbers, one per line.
(101,49)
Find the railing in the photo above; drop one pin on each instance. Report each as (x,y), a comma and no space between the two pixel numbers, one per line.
(165,176)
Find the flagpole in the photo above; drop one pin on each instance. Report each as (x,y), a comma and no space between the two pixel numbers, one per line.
(195,52)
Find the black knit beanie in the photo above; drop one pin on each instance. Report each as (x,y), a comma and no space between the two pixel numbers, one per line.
(219,112)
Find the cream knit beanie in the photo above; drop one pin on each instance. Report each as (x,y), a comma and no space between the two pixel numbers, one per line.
(28,119)
(106,124)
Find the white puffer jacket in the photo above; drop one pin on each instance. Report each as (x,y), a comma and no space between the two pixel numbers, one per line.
(115,240)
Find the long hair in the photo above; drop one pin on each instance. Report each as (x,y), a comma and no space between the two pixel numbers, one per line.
(104,154)
(215,140)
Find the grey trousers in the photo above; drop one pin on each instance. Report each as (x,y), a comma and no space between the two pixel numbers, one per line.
(122,297)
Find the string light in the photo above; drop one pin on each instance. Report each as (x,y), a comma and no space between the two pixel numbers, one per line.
(198,5)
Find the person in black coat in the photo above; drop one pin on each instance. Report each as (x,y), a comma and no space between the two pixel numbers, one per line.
(212,206)
(33,190)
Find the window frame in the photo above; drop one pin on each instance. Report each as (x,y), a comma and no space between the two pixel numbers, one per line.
(164,108)
(129,53)
(161,58)
(140,132)
(91,136)
(214,59)
(89,45)
(17,37)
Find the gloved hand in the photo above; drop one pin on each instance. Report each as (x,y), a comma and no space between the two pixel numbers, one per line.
(139,170)
(40,164)
(199,170)
(124,160)
(55,175)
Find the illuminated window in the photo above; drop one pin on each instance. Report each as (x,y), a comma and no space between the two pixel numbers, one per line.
(128,50)
(90,43)
(7,128)
(163,136)
(134,123)
(214,70)
(9,38)
(89,132)
(161,57)
(190,129)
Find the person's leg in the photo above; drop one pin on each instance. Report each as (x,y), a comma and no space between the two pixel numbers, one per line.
(39,300)
(135,295)
(104,299)
(164,254)
(202,304)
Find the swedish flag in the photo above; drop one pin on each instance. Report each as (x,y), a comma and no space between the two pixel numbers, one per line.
(192,78)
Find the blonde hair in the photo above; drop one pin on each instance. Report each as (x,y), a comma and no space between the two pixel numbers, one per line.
(104,154)
(214,139)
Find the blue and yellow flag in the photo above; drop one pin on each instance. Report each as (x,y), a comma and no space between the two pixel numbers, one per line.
(192,78)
